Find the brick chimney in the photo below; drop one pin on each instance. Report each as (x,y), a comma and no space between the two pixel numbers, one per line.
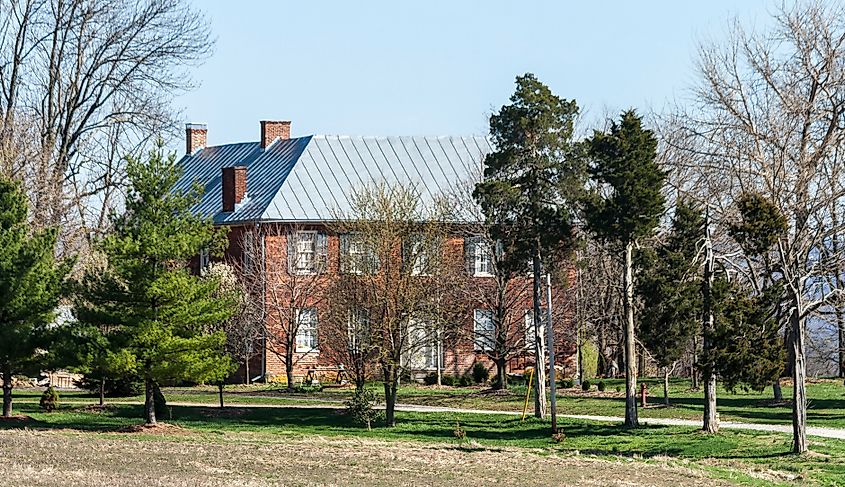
(234,187)
(272,130)
(196,137)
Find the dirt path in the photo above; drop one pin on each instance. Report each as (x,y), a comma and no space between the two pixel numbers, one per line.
(824,432)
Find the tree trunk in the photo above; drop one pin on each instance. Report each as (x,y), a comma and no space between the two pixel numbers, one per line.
(220,391)
(289,370)
(666,385)
(7,391)
(247,379)
(539,352)
(799,376)
(391,384)
(710,421)
(776,390)
(631,420)
(149,401)
(102,391)
(501,374)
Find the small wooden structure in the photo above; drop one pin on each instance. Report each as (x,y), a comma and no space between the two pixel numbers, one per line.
(317,375)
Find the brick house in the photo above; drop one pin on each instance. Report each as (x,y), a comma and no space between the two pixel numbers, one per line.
(276,196)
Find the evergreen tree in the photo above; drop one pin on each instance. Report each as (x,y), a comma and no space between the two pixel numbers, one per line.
(531,181)
(146,294)
(625,207)
(670,287)
(96,352)
(30,288)
(747,350)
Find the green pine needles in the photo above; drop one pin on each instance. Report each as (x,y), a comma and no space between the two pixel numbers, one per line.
(31,282)
(151,305)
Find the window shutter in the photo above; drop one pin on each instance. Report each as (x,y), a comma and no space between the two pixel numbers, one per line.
(291,245)
(344,253)
(322,251)
(407,248)
(373,262)
(469,254)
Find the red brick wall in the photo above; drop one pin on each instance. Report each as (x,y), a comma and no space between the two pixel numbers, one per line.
(195,138)
(459,353)
(271,130)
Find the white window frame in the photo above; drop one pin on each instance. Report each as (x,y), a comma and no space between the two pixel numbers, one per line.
(356,253)
(481,260)
(483,340)
(530,337)
(310,266)
(204,260)
(357,320)
(420,253)
(306,330)
(421,356)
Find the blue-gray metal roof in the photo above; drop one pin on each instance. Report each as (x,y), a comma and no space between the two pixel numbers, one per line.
(312,178)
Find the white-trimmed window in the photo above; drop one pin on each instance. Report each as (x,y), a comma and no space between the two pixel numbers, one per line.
(205,260)
(358,328)
(530,334)
(421,255)
(306,252)
(483,267)
(306,330)
(356,253)
(423,346)
(484,330)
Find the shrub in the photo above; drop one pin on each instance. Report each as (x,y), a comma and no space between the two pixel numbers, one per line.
(567,383)
(465,380)
(586,385)
(618,388)
(114,387)
(305,388)
(49,400)
(362,407)
(480,374)
(449,380)
(431,379)
(602,386)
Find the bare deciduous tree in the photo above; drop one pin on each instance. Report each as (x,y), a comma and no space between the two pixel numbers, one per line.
(409,267)
(82,84)
(768,118)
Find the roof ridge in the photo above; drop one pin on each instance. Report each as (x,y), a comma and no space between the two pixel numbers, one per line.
(347,136)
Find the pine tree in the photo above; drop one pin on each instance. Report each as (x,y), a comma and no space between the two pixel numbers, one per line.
(147,295)
(670,286)
(625,207)
(30,287)
(531,181)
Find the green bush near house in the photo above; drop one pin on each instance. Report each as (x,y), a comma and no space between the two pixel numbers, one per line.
(586,385)
(49,400)
(567,383)
(602,386)
(480,374)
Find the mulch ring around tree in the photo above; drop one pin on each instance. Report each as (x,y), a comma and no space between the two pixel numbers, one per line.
(155,429)
(18,419)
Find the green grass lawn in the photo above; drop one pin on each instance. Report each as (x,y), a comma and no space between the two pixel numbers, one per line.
(730,454)
(826,400)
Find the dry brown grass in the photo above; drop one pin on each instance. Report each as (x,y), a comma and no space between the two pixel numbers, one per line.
(42,458)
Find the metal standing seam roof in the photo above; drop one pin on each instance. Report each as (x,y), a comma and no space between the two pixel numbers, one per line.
(312,178)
